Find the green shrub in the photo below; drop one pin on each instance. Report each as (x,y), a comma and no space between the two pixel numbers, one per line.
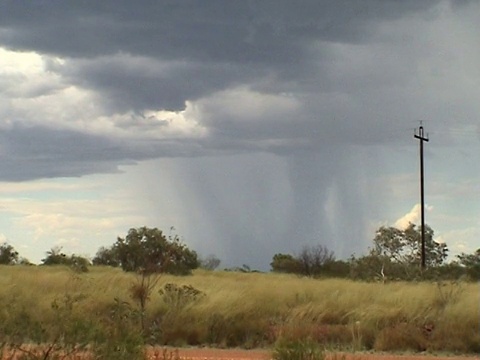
(298,350)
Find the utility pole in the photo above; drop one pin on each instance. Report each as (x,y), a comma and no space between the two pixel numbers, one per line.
(420,136)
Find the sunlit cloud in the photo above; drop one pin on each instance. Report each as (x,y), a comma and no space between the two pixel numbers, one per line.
(412,217)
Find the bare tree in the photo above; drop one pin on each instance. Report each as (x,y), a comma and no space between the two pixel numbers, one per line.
(314,258)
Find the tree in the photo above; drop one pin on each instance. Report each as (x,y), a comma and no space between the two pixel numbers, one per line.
(150,251)
(313,259)
(55,256)
(286,263)
(8,255)
(471,262)
(404,246)
(106,256)
(211,262)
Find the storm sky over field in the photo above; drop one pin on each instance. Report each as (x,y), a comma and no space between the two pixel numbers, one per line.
(251,127)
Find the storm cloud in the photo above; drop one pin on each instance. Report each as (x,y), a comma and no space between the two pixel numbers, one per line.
(274,115)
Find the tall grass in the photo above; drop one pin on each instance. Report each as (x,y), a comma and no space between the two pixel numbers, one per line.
(258,310)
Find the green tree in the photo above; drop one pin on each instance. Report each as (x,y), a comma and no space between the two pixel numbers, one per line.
(150,251)
(106,256)
(8,255)
(55,256)
(471,262)
(396,254)
(404,246)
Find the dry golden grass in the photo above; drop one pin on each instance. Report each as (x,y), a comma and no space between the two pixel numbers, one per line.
(254,309)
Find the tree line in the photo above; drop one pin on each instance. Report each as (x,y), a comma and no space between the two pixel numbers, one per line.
(394,255)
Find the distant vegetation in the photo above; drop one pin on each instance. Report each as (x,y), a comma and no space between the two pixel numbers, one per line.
(394,256)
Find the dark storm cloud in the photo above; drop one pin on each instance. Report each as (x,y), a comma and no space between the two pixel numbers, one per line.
(295,94)
(211,44)
(256,31)
(157,55)
(32,152)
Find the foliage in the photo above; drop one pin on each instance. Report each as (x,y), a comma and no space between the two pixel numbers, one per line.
(396,255)
(286,263)
(312,261)
(64,337)
(404,246)
(336,268)
(8,255)
(141,290)
(150,251)
(304,349)
(469,260)
(55,256)
(106,257)
(116,339)
(176,297)
(471,263)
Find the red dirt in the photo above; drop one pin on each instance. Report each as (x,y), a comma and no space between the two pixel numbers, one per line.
(239,354)
(162,353)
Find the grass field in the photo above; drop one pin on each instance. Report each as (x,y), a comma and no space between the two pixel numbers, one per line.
(232,309)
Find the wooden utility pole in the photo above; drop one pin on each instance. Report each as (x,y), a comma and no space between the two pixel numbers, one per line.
(420,136)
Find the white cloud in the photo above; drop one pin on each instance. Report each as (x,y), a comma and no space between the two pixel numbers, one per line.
(80,215)
(464,240)
(413,216)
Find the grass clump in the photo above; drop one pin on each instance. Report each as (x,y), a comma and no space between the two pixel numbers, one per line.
(306,349)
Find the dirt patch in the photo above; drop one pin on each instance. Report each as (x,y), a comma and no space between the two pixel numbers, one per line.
(239,354)
(162,353)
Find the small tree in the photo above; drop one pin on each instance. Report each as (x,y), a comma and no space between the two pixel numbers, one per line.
(8,255)
(313,259)
(150,251)
(55,256)
(286,263)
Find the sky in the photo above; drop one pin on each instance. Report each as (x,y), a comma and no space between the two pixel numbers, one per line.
(249,127)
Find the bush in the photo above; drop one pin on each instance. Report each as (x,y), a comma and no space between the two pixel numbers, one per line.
(55,256)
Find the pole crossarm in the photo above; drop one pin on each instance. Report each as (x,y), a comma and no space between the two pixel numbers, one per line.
(420,135)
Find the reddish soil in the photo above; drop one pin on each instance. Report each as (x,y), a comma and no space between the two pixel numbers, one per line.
(238,354)
(161,353)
